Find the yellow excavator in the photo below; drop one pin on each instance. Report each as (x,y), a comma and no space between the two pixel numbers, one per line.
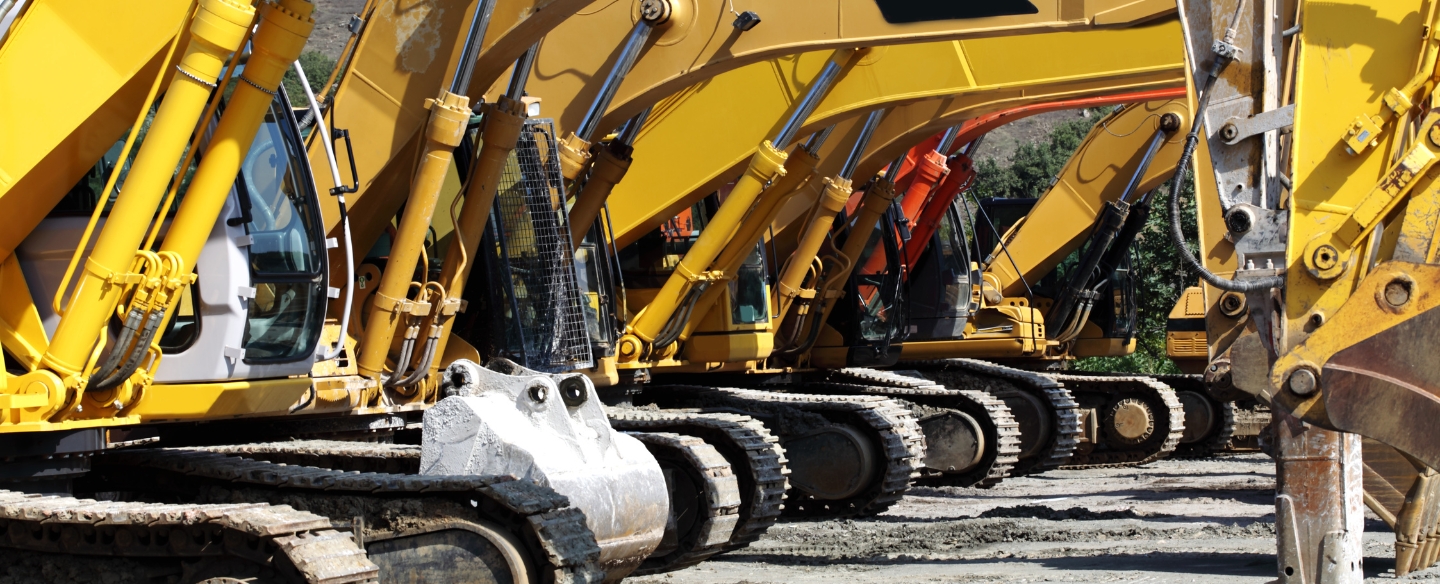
(192,314)
(199,320)
(510,319)
(818,486)
(1315,197)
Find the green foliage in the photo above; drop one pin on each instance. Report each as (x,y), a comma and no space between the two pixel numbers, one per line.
(1160,274)
(1033,166)
(317,69)
(1160,278)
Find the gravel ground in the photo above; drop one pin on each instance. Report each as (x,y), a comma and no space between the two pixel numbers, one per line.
(1205,521)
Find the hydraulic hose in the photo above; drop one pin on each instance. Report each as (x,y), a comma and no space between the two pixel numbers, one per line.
(1177,236)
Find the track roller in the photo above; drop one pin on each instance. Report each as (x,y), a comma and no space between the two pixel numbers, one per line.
(1045,413)
(971,438)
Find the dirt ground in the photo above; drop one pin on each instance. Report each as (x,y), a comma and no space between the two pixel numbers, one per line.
(1205,521)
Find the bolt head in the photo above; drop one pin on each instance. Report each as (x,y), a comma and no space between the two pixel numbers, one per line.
(655,11)
(1229,131)
(1326,257)
(1397,293)
(1169,123)
(1302,382)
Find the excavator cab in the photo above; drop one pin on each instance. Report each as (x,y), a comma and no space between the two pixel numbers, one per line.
(535,305)
(260,296)
(942,284)
(872,315)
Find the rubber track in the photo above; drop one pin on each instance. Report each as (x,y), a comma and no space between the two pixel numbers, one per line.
(901,441)
(1146,387)
(570,549)
(999,424)
(745,442)
(331,454)
(722,500)
(312,551)
(1065,436)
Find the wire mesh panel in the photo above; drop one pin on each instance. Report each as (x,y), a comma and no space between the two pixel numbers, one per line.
(545,326)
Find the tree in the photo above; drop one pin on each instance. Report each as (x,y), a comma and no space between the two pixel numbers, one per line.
(1160,274)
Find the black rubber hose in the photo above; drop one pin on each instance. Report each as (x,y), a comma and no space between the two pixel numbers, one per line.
(1177,236)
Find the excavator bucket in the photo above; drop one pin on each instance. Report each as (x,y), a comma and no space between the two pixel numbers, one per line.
(550,429)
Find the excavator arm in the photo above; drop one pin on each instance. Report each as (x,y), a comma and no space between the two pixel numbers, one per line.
(869,83)
(698,42)
(400,57)
(982,74)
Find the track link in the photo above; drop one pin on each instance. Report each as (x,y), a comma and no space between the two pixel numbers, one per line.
(1062,415)
(1002,432)
(754,454)
(717,496)
(1095,390)
(892,425)
(298,545)
(387,506)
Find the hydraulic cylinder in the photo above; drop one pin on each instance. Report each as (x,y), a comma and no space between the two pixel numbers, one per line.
(925,225)
(449,115)
(798,169)
(503,121)
(767,163)
(284,27)
(877,199)
(837,191)
(606,170)
(217,31)
(928,171)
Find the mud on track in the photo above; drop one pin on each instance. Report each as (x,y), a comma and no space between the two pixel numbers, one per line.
(1204,521)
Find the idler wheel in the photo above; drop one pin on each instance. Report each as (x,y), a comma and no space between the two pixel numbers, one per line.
(833,463)
(954,441)
(1200,416)
(1129,421)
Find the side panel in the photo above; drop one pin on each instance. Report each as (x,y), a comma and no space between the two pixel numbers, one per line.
(72,78)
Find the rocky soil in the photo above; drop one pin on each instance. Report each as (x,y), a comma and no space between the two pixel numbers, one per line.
(1204,521)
